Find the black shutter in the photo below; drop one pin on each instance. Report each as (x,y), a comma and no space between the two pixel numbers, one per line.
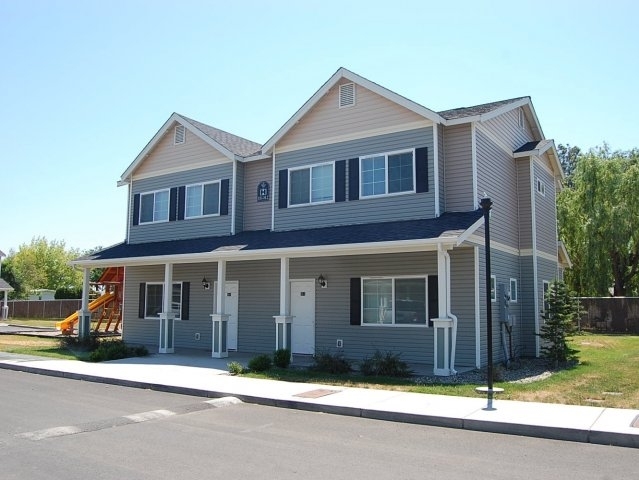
(142,300)
(181,204)
(340,181)
(224,197)
(173,204)
(136,209)
(186,293)
(353,179)
(421,170)
(433,299)
(356,301)
(282,201)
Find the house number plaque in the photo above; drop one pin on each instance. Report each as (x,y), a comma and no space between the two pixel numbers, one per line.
(263,192)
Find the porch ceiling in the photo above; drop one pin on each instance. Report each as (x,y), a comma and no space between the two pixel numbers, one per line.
(407,235)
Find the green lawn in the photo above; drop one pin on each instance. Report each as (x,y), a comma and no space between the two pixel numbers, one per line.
(40,346)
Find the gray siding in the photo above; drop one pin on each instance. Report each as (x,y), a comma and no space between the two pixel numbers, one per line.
(497,177)
(528,310)
(462,285)
(239,198)
(545,212)
(459,169)
(442,168)
(190,228)
(398,207)
(507,129)
(524,203)
(257,215)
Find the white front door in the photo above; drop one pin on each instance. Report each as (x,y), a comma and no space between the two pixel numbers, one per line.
(303,312)
(231,301)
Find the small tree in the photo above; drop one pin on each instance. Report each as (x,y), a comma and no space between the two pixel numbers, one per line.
(560,315)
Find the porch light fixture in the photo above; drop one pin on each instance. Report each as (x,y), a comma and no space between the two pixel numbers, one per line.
(321,281)
(205,284)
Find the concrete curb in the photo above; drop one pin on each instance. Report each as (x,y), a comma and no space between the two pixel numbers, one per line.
(509,428)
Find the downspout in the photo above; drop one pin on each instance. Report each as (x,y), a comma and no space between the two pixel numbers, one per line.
(273,191)
(233,196)
(453,341)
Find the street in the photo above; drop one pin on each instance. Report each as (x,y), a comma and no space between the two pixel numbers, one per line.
(68,429)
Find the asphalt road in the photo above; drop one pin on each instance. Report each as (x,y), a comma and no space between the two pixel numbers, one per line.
(54,428)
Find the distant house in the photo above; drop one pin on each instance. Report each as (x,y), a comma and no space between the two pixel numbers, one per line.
(354,228)
(5,288)
(42,294)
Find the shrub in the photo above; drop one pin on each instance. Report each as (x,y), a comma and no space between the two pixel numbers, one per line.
(261,363)
(88,344)
(116,350)
(385,364)
(68,293)
(235,368)
(326,362)
(282,358)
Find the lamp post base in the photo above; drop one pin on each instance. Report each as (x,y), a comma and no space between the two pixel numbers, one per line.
(490,392)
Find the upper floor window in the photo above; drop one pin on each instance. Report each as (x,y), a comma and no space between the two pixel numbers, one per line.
(154,206)
(541,187)
(179,136)
(394,301)
(311,184)
(202,199)
(387,173)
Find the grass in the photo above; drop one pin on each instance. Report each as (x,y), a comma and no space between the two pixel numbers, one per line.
(34,322)
(606,376)
(39,346)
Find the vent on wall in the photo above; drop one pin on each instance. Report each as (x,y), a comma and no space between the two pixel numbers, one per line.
(179,134)
(346,95)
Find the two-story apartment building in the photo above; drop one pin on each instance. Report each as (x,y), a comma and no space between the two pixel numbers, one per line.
(354,228)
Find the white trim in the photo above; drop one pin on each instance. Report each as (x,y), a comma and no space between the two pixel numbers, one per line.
(468,233)
(542,164)
(540,187)
(393,323)
(494,139)
(436,167)
(177,128)
(473,156)
(386,171)
(339,95)
(233,196)
(534,255)
(494,113)
(219,200)
(361,81)
(273,192)
(168,206)
(310,186)
(477,312)
(529,252)
(355,136)
(176,169)
(561,250)
(510,289)
(493,289)
(129,210)
(479,240)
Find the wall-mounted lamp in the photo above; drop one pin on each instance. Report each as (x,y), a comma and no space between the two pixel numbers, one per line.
(321,281)
(205,284)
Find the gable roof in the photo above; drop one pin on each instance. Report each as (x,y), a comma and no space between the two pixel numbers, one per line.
(414,234)
(353,77)
(4,286)
(478,110)
(229,145)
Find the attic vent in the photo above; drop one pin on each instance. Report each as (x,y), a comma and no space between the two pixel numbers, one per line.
(346,95)
(179,134)
(520,118)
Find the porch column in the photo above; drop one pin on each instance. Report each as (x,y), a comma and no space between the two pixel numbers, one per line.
(167,317)
(84,314)
(219,318)
(5,307)
(284,321)
(444,325)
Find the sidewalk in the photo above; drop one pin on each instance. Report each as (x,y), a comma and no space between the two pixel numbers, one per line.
(208,377)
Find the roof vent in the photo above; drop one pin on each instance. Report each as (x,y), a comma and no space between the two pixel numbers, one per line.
(179,135)
(346,95)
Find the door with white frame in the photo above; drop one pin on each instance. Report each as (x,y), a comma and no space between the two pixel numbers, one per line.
(231,303)
(303,312)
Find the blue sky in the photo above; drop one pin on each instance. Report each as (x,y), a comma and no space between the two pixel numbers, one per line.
(84,85)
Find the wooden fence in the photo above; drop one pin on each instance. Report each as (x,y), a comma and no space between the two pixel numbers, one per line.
(610,314)
(42,308)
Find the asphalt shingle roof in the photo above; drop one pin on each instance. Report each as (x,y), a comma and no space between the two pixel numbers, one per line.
(238,145)
(451,223)
(5,286)
(463,112)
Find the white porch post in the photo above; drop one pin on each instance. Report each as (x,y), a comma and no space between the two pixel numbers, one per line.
(444,323)
(5,307)
(284,321)
(219,318)
(84,314)
(167,317)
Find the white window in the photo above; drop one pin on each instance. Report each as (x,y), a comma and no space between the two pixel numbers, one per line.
(387,173)
(312,184)
(493,288)
(154,300)
(154,206)
(394,301)
(346,95)
(202,199)
(541,187)
(179,135)
(513,290)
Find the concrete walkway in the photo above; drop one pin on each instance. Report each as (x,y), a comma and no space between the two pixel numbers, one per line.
(208,377)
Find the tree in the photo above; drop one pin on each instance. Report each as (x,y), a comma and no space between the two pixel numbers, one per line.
(598,219)
(43,264)
(10,278)
(568,157)
(559,323)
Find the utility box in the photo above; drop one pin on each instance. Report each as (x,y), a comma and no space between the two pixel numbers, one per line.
(503,304)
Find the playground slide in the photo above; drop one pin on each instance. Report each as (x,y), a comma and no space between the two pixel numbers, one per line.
(67,324)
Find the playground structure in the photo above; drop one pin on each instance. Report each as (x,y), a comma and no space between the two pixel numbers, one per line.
(106,310)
